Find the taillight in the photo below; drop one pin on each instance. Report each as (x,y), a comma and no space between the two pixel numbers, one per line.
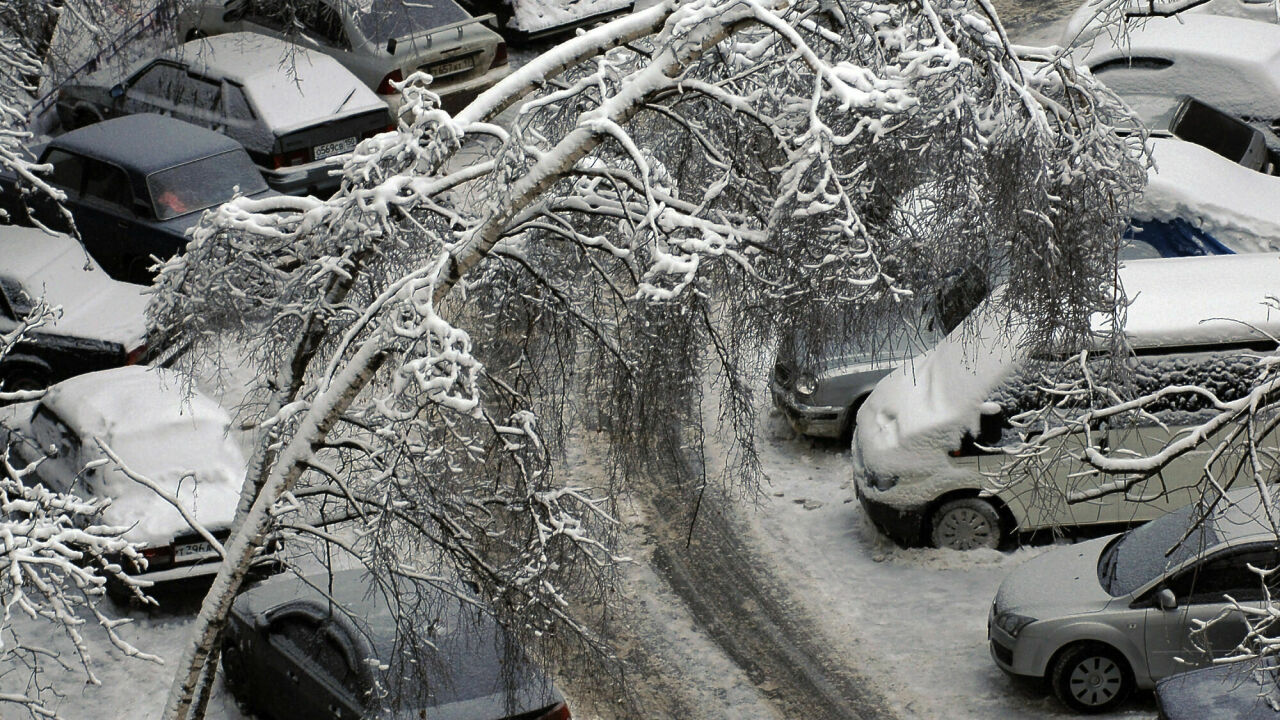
(499,56)
(158,557)
(384,87)
(135,355)
(559,712)
(297,157)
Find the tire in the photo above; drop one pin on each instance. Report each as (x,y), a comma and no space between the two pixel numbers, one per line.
(85,115)
(966,524)
(1091,678)
(23,377)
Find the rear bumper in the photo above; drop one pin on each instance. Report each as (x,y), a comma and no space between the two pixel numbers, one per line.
(814,420)
(906,526)
(315,178)
(455,95)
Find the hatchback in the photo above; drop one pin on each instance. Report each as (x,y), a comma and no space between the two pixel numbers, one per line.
(1103,617)
(298,112)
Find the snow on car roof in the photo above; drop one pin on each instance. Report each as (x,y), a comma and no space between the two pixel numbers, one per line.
(57,268)
(288,86)
(1195,38)
(132,400)
(1234,204)
(145,142)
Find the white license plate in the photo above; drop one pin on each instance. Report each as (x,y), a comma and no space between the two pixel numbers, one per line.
(193,551)
(451,67)
(337,147)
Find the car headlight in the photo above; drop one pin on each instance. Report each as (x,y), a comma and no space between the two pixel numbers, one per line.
(806,384)
(1012,623)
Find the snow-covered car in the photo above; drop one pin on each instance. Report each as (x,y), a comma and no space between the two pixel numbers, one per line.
(1086,22)
(298,112)
(177,439)
(1245,690)
(102,322)
(1103,617)
(327,647)
(1230,63)
(135,185)
(378,41)
(1196,203)
(920,469)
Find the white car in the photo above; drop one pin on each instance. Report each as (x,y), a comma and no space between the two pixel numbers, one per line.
(102,322)
(1230,63)
(178,439)
(378,41)
(1086,22)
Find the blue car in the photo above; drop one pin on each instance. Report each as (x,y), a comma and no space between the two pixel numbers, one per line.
(134,186)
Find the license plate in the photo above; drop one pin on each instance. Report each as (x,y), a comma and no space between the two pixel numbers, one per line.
(193,551)
(337,147)
(451,67)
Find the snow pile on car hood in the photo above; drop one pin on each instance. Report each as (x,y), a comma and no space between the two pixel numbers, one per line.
(178,441)
(921,410)
(1232,203)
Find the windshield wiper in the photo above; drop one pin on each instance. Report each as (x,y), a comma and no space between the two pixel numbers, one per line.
(344,101)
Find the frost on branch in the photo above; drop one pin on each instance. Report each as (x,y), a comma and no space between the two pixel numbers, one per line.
(677,191)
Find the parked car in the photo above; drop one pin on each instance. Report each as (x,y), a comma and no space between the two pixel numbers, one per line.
(102,324)
(920,469)
(321,647)
(1228,136)
(526,20)
(1246,690)
(1230,63)
(1106,616)
(298,112)
(1197,202)
(378,41)
(135,185)
(179,439)
(1085,23)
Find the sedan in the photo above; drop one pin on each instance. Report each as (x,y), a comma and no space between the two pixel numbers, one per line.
(135,185)
(327,647)
(1103,617)
(102,324)
(378,41)
(178,439)
(298,113)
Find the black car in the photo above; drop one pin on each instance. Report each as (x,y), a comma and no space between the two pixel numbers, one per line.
(134,186)
(326,647)
(101,325)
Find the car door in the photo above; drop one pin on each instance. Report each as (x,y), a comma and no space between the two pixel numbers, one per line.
(1205,624)
(61,447)
(314,669)
(67,175)
(107,215)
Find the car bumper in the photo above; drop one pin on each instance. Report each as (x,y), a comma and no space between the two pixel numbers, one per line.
(455,95)
(315,178)
(903,525)
(814,420)
(1004,650)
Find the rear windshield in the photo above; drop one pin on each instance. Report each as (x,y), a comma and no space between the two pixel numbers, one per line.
(201,184)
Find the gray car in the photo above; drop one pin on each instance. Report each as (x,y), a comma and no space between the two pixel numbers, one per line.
(299,114)
(1103,617)
(321,647)
(1247,690)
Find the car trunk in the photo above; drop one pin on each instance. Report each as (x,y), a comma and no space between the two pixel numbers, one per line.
(335,137)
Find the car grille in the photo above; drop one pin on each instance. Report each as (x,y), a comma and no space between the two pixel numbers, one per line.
(1002,653)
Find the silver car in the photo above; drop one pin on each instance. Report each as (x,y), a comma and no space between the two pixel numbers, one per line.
(379,41)
(1103,617)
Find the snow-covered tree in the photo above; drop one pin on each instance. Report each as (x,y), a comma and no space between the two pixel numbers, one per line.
(649,204)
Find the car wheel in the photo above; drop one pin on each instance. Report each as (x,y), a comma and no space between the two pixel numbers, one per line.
(1091,678)
(85,116)
(23,377)
(966,524)
(235,675)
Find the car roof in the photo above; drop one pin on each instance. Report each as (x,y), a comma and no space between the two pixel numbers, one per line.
(29,253)
(145,142)
(1233,40)
(131,399)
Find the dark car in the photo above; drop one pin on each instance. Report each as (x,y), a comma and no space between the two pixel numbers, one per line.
(1246,690)
(298,112)
(102,323)
(134,186)
(321,647)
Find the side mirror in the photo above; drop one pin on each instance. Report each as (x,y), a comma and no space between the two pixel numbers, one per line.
(117,91)
(1166,599)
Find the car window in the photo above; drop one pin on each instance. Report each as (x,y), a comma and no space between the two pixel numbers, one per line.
(161,80)
(15,303)
(106,182)
(202,93)
(56,438)
(237,105)
(325,23)
(265,13)
(203,183)
(1161,239)
(315,646)
(68,169)
(1225,574)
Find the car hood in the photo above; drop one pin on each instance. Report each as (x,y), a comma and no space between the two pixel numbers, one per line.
(1062,581)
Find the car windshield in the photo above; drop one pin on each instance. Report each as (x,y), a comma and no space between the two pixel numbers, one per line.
(1176,238)
(203,183)
(1143,554)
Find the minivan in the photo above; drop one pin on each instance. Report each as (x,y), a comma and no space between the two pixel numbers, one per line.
(926,448)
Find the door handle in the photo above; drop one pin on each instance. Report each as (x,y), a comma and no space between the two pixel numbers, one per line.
(293,676)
